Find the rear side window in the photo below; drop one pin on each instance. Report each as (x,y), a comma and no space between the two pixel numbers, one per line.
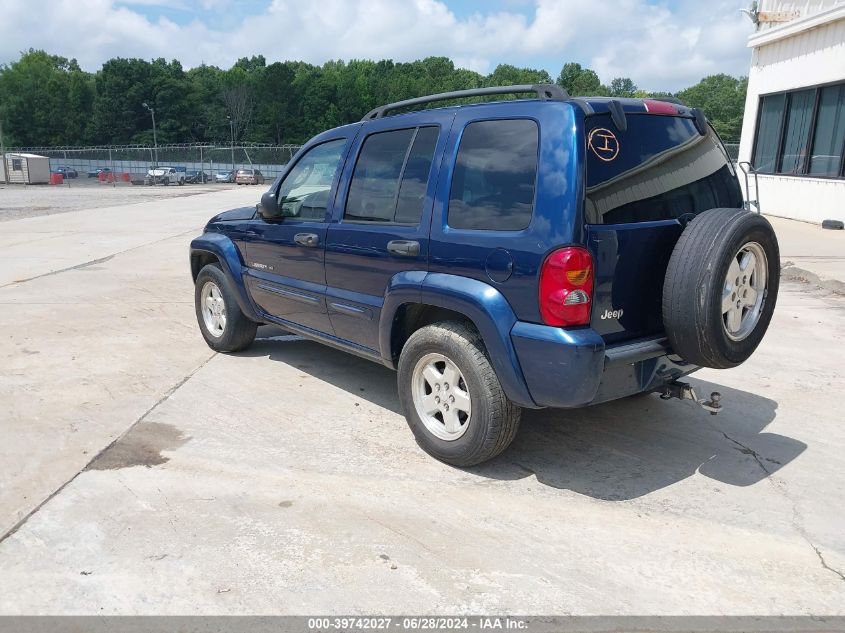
(660,168)
(391,176)
(493,183)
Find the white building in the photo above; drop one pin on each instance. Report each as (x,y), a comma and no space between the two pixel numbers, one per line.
(30,169)
(793,132)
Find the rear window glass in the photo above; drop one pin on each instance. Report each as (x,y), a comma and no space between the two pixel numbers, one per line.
(660,168)
(493,184)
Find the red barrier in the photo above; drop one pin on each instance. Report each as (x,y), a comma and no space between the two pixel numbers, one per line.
(101,176)
(125,177)
(56,179)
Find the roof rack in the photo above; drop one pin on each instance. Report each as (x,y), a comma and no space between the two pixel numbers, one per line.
(544,92)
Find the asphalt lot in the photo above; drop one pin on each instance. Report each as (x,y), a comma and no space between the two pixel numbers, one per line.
(284,480)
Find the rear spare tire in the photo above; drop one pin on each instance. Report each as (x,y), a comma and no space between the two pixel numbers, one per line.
(721,287)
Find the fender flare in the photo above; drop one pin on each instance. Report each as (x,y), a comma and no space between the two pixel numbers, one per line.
(481,303)
(230,261)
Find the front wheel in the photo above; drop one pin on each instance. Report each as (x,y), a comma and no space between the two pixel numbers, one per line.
(451,396)
(224,327)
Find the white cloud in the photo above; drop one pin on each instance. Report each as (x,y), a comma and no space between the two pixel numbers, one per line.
(660,46)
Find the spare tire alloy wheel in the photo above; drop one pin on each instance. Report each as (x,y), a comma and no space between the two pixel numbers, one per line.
(745,291)
(721,287)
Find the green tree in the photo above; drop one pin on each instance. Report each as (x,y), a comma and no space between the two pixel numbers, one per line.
(722,99)
(580,82)
(46,100)
(623,87)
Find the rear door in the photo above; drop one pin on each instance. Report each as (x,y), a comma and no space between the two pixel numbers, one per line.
(644,185)
(381,226)
(284,256)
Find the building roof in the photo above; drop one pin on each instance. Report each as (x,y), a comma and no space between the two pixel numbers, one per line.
(24,155)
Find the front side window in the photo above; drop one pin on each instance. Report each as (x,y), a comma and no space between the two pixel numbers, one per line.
(304,193)
(493,182)
(17,165)
(391,176)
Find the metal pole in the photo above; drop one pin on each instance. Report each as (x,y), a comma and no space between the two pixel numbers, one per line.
(155,141)
(3,149)
(232,128)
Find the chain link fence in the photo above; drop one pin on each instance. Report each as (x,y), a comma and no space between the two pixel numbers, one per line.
(137,159)
(210,158)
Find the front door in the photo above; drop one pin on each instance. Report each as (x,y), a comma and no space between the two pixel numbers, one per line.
(285,255)
(382,219)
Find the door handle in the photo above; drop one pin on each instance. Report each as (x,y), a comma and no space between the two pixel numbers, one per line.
(403,248)
(306,239)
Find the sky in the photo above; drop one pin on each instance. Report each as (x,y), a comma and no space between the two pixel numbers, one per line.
(661,45)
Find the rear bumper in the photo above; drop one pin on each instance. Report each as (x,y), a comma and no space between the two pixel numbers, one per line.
(573,368)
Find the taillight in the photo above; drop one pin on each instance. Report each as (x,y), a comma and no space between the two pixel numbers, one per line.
(566,287)
(653,106)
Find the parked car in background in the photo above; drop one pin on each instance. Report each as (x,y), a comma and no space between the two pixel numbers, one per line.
(165,176)
(249,177)
(224,176)
(195,176)
(95,173)
(66,172)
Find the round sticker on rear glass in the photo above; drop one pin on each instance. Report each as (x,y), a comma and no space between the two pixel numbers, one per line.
(604,144)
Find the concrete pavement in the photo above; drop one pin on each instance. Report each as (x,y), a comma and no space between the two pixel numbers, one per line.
(284,479)
(811,253)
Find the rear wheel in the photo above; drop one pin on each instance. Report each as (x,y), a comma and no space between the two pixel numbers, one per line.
(451,396)
(721,287)
(224,327)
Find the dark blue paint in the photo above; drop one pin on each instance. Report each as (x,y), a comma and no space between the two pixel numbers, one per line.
(223,248)
(349,292)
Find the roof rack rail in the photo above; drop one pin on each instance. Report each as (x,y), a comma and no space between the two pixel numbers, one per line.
(545,92)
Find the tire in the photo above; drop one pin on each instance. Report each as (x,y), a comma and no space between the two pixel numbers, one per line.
(181,181)
(238,332)
(698,287)
(493,420)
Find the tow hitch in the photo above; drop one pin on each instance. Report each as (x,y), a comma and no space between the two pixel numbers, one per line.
(684,391)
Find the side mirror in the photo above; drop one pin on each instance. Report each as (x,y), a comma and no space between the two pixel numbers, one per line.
(268,208)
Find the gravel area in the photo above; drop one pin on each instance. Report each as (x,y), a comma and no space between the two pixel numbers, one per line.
(25,201)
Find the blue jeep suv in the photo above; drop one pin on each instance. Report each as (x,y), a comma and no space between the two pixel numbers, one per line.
(541,252)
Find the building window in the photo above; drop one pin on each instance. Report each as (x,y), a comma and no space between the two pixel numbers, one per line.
(17,165)
(830,132)
(802,133)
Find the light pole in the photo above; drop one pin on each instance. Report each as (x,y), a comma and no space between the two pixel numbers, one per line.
(232,132)
(155,142)
(2,149)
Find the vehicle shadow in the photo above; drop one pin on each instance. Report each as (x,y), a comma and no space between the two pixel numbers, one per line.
(614,451)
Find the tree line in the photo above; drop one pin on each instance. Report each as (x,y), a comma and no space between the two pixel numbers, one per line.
(49,100)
